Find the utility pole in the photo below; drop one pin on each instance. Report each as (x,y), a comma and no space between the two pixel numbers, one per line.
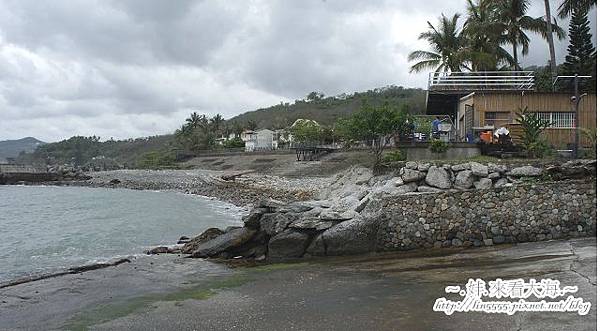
(550,41)
(576,99)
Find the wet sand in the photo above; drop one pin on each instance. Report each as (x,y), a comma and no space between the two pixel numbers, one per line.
(376,292)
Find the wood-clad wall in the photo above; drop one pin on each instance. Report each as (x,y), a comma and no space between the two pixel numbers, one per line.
(540,102)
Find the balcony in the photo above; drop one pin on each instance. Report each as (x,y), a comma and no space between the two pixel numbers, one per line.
(466,82)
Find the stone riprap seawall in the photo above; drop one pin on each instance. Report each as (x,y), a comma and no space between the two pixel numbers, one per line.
(417,206)
(529,212)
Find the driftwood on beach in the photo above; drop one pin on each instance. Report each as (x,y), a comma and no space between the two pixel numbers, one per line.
(231,177)
(74,270)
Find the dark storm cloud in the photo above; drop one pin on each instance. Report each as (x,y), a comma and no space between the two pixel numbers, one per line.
(138,67)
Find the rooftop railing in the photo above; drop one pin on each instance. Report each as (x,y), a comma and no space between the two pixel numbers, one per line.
(481,81)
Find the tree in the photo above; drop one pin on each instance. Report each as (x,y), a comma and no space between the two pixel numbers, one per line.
(375,125)
(515,22)
(568,7)
(252,125)
(533,128)
(216,122)
(581,57)
(315,96)
(194,121)
(483,37)
(447,47)
(306,132)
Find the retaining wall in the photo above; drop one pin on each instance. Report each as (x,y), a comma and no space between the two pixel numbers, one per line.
(527,212)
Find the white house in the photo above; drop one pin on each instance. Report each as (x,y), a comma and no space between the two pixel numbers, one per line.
(261,140)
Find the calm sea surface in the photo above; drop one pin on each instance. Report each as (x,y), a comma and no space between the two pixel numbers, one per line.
(45,229)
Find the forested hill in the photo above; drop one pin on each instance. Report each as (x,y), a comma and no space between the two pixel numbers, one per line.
(326,110)
(12,148)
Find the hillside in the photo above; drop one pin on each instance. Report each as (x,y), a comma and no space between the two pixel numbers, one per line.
(154,150)
(85,150)
(326,110)
(12,148)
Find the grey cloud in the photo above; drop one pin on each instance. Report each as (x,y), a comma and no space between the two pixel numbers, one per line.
(126,68)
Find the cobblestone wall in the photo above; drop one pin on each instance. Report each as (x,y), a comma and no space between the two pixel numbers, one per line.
(526,212)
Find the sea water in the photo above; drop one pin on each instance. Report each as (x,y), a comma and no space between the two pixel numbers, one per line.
(47,229)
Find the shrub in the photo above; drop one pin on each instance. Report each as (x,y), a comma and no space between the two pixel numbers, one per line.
(438,146)
(394,156)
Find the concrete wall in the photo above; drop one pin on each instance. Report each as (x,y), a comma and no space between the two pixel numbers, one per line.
(455,151)
(528,212)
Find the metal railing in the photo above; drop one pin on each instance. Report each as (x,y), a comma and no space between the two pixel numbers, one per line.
(481,81)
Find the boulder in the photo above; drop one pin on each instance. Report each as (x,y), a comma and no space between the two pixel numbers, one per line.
(461,167)
(501,182)
(494,175)
(479,169)
(311,224)
(316,247)
(526,171)
(355,236)
(464,179)
(411,165)
(438,177)
(483,184)
(275,222)
(410,187)
(500,168)
(183,240)
(288,244)
(224,242)
(205,236)
(410,175)
(158,250)
(252,220)
(331,215)
(361,205)
(296,207)
(423,166)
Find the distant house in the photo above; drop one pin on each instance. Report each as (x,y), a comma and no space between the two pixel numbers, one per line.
(261,140)
(247,135)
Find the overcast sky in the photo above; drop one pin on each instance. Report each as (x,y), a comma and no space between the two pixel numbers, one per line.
(130,68)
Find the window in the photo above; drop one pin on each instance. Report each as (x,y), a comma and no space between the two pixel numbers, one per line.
(558,119)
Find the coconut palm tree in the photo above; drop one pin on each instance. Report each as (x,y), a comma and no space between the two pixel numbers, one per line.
(217,122)
(447,47)
(516,23)
(194,120)
(568,6)
(483,34)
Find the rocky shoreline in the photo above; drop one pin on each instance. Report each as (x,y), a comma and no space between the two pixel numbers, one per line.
(344,218)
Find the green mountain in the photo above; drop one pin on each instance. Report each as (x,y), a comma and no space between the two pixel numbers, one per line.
(326,110)
(160,150)
(12,148)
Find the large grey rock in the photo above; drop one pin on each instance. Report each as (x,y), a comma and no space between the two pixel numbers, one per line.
(483,184)
(317,247)
(501,182)
(350,237)
(296,207)
(224,242)
(479,169)
(423,166)
(461,167)
(464,179)
(311,224)
(407,188)
(501,168)
(438,177)
(208,234)
(411,175)
(411,165)
(288,244)
(276,222)
(525,171)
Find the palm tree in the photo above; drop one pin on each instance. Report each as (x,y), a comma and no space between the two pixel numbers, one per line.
(217,121)
(515,22)
(483,35)
(568,6)
(446,44)
(194,120)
